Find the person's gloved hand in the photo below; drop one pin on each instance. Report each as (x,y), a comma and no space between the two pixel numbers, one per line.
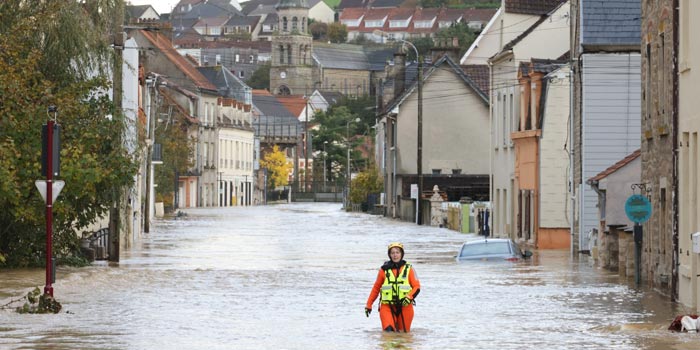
(406,301)
(367,312)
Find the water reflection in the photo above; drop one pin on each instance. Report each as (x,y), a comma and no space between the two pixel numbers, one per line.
(297,277)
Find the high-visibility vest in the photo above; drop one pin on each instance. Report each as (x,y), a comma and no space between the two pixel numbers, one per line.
(395,288)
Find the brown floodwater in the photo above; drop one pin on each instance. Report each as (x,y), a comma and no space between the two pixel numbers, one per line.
(297,276)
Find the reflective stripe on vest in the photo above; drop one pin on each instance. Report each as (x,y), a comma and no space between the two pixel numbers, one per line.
(396,288)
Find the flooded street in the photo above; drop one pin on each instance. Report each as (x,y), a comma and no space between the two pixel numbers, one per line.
(297,277)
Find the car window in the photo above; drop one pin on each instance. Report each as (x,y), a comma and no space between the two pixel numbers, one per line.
(516,249)
(485,248)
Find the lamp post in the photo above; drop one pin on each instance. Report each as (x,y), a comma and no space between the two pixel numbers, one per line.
(419,126)
(347,169)
(325,155)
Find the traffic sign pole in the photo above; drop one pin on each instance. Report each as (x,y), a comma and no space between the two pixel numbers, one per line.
(48,289)
(638,210)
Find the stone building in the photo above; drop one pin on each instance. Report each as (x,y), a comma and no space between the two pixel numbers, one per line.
(292,65)
(659,110)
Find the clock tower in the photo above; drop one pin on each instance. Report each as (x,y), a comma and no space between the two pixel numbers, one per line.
(291,67)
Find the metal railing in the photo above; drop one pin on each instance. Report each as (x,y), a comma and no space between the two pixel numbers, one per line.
(98,242)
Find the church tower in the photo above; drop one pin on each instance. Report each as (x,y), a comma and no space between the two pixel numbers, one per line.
(292,67)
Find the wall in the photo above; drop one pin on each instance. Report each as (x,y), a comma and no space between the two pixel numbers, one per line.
(554,158)
(689,150)
(611,122)
(455,124)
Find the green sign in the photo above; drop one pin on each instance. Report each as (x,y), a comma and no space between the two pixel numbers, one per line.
(638,208)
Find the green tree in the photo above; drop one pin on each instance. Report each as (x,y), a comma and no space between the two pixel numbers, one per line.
(318,30)
(462,32)
(177,151)
(260,79)
(53,53)
(337,32)
(366,182)
(277,167)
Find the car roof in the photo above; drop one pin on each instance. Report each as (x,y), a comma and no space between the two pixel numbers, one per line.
(487,240)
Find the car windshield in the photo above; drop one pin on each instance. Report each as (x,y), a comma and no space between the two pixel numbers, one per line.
(486,248)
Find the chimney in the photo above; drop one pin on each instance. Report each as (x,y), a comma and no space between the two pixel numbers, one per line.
(445,46)
(399,72)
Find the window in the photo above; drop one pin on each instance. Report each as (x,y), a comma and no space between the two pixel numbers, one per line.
(647,88)
(295,24)
(399,24)
(423,24)
(281,54)
(456,171)
(437,171)
(504,123)
(374,23)
(241,74)
(662,83)
(284,24)
(238,58)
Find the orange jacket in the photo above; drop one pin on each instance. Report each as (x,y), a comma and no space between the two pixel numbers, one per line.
(381,276)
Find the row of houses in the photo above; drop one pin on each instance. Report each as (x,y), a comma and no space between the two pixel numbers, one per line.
(584,104)
(404,23)
(228,123)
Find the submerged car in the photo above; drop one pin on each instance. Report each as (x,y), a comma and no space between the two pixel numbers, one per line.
(492,249)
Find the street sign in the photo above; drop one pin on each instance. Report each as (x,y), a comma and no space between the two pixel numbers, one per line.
(414,191)
(638,208)
(56,187)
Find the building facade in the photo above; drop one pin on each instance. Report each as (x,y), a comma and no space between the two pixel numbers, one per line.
(689,152)
(658,142)
(292,45)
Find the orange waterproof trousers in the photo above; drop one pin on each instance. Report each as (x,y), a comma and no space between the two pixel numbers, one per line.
(399,323)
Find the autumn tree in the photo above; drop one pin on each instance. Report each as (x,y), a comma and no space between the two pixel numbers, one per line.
(337,32)
(367,182)
(277,167)
(54,53)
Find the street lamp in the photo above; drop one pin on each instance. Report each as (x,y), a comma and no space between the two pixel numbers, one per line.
(347,169)
(325,155)
(419,127)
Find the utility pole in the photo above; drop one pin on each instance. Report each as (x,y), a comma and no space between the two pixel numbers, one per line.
(307,143)
(419,156)
(115,211)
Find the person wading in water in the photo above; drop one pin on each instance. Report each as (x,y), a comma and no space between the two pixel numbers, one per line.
(398,286)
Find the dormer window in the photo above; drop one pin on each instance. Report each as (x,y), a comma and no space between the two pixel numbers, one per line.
(423,24)
(374,23)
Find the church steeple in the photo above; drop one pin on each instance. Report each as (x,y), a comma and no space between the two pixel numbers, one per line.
(292,65)
(292,4)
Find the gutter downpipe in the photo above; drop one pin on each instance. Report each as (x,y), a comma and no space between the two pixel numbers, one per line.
(675,121)
(572,148)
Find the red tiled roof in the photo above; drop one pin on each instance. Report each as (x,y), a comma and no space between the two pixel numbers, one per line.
(399,14)
(261,92)
(483,15)
(374,14)
(450,15)
(352,13)
(426,14)
(532,7)
(615,167)
(479,74)
(294,104)
(166,47)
